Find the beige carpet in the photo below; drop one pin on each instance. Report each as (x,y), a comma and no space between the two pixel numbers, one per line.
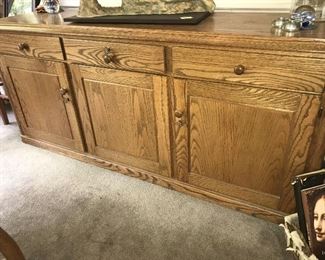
(59,208)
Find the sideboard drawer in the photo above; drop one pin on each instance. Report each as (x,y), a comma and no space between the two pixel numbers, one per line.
(259,69)
(31,46)
(116,55)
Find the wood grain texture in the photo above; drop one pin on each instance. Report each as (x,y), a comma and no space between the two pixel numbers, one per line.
(37,104)
(237,191)
(227,138)
(127,114)
(34,87)
(161,108)
(38,46)
(303,126)
(181,133)
(243,30)
(127,122)
(124,56)
(272,71)
(236,204)
(316,155)
(238,139)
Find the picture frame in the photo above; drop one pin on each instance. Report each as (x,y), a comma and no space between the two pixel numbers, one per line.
(313,200)
(301,182)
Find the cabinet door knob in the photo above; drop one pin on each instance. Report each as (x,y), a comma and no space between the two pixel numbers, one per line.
(179,114)
(23,46)
(107,59)
(239,69)
(65,95)
(63,91)
(180,119)
(108,55)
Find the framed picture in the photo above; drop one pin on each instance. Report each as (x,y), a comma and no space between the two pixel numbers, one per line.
(313,200)
(304,181)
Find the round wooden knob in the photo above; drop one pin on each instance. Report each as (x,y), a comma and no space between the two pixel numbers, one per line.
(107,58)
(179,114)
(108,55)
(239,69)
(63,91)
(23,46)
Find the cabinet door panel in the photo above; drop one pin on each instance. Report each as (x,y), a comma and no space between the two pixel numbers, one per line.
(242,142)
(125,116)
(38,104)
(235,135)
(34,87)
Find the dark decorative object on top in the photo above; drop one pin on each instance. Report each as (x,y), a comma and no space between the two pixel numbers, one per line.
(144,12)
(189,18)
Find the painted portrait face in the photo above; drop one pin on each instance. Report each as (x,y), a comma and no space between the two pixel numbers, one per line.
(319,219)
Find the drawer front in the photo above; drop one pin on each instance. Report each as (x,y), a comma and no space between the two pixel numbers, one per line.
(31,46)
(116,55)
(264,70)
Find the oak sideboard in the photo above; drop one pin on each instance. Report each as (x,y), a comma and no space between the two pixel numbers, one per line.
(225,110)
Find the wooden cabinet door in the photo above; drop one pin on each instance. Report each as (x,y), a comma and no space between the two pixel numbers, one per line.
(241,141)
(40,95)
(124,116)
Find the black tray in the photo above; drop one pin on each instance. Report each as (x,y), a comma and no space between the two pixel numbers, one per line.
(187,18)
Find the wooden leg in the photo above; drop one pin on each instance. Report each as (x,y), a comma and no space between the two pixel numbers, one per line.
(9,248)
(3,112)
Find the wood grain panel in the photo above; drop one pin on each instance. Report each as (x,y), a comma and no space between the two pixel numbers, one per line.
(244,95)
(38,104)
(181,133)
(123,119)
(243,141)
(125,56)
(126,78)
(226,139)
(34,89)
(316,154)
(251,195)
(303,127)
(161,108)
(273,71)
(242,30)
(38,46)
(126,159)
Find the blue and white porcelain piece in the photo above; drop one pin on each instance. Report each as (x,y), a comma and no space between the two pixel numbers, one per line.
(51,6)
(306,16)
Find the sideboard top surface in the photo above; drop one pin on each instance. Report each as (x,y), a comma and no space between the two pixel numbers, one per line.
(222,28)
(253,24)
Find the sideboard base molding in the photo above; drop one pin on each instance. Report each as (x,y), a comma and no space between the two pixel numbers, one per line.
(251,209)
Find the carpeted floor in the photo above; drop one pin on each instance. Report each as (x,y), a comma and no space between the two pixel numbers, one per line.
(59,208)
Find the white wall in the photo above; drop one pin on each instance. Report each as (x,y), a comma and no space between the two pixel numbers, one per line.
(252,4)
(221,4)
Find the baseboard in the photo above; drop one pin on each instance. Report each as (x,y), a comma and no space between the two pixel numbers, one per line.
(236,204)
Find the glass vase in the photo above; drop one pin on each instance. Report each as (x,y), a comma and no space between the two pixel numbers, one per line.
(318,6)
